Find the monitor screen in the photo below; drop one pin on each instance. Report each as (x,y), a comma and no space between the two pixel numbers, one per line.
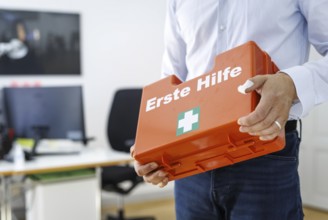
(57,111)
(39,43)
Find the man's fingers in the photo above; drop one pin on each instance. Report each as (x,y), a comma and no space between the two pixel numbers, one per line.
(264,105)
(273,129)
(156,177)
(150,173)
(242,88)
(259,114)
(269,137)
(261,125)
(143,170)
(254,83)
(163,183)
(132,151)
(271,116)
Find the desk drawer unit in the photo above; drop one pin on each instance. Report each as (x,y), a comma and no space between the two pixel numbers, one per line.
(64,195)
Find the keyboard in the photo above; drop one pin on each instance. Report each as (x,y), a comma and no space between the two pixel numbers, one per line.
(58,146)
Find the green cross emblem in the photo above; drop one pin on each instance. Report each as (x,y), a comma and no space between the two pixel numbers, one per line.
(188,121)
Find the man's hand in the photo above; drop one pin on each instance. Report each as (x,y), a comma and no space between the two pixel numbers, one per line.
(277,95)
(150,173)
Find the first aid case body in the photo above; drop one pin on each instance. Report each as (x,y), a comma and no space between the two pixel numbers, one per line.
(191,127)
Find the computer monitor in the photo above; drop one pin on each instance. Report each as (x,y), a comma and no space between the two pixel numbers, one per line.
(45,112)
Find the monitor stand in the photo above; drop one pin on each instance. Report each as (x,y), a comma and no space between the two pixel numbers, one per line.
(40,132)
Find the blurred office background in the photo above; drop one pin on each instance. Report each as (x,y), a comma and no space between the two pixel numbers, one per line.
(121,46)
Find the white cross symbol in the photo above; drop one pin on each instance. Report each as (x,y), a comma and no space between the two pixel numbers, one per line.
(188,120)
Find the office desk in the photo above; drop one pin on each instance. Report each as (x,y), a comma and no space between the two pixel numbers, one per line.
(90,157)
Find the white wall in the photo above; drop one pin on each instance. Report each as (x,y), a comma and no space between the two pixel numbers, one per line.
(122,45)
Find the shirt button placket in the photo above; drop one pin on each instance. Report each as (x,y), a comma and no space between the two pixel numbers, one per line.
(222,27)
(222,35)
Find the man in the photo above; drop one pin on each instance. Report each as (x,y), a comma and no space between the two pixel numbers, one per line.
(196,31)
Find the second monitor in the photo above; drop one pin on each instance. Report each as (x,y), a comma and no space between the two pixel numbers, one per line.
(46,112)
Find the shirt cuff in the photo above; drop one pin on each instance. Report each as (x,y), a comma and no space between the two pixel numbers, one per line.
(303,82)
(295,111)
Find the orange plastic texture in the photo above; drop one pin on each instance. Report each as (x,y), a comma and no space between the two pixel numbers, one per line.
(191,127)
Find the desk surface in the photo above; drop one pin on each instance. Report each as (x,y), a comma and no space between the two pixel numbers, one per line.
(90,157)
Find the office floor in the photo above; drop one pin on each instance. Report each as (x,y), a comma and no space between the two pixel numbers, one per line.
(164,210)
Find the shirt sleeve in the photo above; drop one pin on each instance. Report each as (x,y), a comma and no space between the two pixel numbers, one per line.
(311,78)
(174,57)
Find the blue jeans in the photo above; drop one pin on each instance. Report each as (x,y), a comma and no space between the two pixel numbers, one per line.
(264,188)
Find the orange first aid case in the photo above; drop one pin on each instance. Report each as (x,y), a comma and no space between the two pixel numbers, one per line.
(191,127)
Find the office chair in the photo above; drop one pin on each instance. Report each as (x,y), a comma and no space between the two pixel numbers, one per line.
(121,131)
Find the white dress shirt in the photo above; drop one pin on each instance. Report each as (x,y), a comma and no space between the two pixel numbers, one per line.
(198,30)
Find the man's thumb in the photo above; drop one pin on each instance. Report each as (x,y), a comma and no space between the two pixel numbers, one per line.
(132,151)
(252,84)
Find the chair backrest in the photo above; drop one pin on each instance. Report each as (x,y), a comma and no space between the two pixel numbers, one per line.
(123,119)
